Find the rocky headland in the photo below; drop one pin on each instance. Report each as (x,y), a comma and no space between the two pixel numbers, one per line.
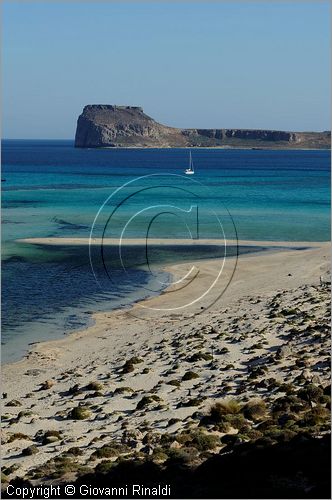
(103,125)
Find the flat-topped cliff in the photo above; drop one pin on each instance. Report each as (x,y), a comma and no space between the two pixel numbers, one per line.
(104,125)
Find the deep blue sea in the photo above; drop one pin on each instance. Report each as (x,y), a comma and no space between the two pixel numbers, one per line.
(51,189)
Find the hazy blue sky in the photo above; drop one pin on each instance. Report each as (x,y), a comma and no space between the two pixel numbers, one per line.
(190,64)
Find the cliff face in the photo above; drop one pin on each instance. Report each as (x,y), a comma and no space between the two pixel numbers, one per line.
(127,126)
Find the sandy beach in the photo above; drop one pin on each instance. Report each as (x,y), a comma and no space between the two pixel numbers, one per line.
(150,370)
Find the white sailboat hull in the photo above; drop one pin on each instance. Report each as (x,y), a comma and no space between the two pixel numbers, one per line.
(190,170)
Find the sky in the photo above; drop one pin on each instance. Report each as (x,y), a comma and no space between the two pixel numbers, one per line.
(237,64)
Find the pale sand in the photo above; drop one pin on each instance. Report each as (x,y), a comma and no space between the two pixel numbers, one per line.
(162,340)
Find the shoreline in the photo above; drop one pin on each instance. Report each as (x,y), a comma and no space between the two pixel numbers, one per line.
(254,148)
(163,241)
(175,270)
(266,246)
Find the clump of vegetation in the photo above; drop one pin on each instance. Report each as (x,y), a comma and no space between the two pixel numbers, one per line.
(258,345)
(182,456)
(199,440)
(51,437)
(288,312)
(123,390)
(46,385)
(24,413)
(191,402)
(96,394)
(287,388)
(159,455)
(229,366)
(316,416)
(57,467)
(129,365)
(75,451)
(311,393)
(75,390)
(254,410)
(230,407)
(14,402)
(30,450)
(4,478)
(223,350)
(173,421)
(105,466)
(147,400)
(109,450)
(79,413)
(190,376)
(224,415)
(17,435)
(176,383)
(256,371)
(9,470)
(199,356)
(94,386)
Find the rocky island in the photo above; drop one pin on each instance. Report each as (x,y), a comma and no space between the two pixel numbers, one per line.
(104,125)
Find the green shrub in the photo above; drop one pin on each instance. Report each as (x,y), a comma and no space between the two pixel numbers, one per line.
(122,390)
(316,416)
(96,394)
(74,390)
(234,420)
(189,376)
(230,366)
(50,437)
(129,364)
(176,383)
(192,402)
(159,455)
(104,466)
(183,456)
(75,451)
(173,421)
(17,435)
(199,356)
(14,402)
(128,367)
(287,388)
(254,410)
(219,410)
(94,386)
(135,360)
(147,400)
(259,345)
(4,478)
(109,450)
(203,441)
(9,470)
(223,350)
(30,450)
(79,413)
(310,393)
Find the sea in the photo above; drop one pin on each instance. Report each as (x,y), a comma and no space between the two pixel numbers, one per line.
(50,189)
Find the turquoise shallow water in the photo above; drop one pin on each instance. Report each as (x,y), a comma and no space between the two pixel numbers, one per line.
(51,189)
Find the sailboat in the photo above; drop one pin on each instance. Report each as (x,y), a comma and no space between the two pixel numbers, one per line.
(190,170)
